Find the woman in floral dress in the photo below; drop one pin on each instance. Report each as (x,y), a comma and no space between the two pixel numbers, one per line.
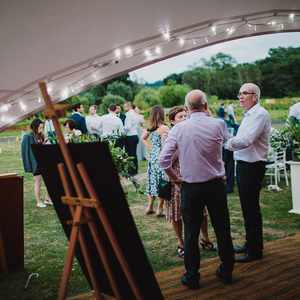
(156,134)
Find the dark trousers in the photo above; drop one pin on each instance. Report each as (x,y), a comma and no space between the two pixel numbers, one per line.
(249,179)
(229,169)
(131,143)
(194,196)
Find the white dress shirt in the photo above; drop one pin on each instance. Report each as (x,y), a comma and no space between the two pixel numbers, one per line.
(252,139)
(111,125)
(132,122)
(93,124)
(294,111)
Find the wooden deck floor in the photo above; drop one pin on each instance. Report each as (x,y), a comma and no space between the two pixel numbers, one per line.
(276,277)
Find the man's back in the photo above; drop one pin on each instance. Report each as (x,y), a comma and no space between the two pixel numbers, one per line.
(199,142)
(111,125)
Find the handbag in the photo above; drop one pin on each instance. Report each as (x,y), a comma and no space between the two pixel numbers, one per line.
(164,189)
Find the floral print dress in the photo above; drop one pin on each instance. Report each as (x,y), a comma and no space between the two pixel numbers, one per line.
(155,173)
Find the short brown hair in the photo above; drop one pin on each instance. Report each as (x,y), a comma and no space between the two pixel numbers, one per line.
(174,111)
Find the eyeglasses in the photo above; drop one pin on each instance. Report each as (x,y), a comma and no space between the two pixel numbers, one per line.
(245,94)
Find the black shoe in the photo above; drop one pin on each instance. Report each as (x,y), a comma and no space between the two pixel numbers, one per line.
(248,258)
(225,277)
(239,249)
(190,283)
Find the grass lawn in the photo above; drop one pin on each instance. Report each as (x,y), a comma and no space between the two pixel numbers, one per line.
(45,243)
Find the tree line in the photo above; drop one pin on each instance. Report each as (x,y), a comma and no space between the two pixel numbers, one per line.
(221,76)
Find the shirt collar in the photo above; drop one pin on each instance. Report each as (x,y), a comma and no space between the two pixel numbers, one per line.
(252,110)
(197,114)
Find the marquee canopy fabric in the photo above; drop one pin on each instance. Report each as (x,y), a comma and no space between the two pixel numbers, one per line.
(74,44)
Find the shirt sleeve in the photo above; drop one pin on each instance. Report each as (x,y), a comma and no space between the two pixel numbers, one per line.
(247,137)
(168,150)
(129,124)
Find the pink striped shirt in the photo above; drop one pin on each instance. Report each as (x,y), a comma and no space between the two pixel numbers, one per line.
(199,142)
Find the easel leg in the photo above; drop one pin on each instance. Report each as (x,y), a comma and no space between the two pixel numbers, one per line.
(70,256)
(82,243)
(3,264)
(110,233)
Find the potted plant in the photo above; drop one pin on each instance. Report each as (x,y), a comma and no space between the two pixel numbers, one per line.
(292,128)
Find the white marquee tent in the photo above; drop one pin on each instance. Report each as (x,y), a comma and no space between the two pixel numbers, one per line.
(73,44)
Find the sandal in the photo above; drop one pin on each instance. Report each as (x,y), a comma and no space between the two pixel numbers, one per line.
(48,202)
(149,212)
(207,245)
(180,252)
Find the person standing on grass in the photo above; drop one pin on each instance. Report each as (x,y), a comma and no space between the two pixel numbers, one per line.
(198,141)
(250,146)
(178,114)
(156,134)
(132,122)
(78,117)
(35,136)
(93,121)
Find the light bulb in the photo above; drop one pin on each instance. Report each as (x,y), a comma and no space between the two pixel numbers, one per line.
(118,53)
(128,51)
(166,35)
(157,50)
(181,42)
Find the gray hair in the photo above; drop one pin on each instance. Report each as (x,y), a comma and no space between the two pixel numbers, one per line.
(251,87)
(195,99)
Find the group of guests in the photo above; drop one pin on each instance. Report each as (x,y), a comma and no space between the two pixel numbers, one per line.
(190,154)
(124,127)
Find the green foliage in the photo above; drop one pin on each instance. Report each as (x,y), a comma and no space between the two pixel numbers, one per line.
(89,97)
(176,78)
(172,95)
(281,72)
(119,88)
(280,138)
(110,99)
(146,98)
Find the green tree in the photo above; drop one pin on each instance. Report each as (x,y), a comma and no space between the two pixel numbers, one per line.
(172,95)
(121,89)
(219,61)
(110,99)
(281,72)
(177,78)
(146,98)
(199,78)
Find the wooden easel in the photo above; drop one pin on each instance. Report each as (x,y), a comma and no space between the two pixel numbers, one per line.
(3,263)
(80,209)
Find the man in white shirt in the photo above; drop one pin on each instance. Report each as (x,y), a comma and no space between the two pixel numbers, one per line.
(132,122)
(93,121)
(110,124)
(294,111)
(250,147)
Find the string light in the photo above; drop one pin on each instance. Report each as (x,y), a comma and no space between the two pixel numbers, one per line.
(199,34)
(166,35)
(291,17)
(65,93)
(22,106)
(230,30)
(128,51)
(181,41)
(157,50)
(272,23)
(147,53)
(214,29)
(118,53)
(5,107)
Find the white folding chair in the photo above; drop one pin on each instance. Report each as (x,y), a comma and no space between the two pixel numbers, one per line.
(274,169)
